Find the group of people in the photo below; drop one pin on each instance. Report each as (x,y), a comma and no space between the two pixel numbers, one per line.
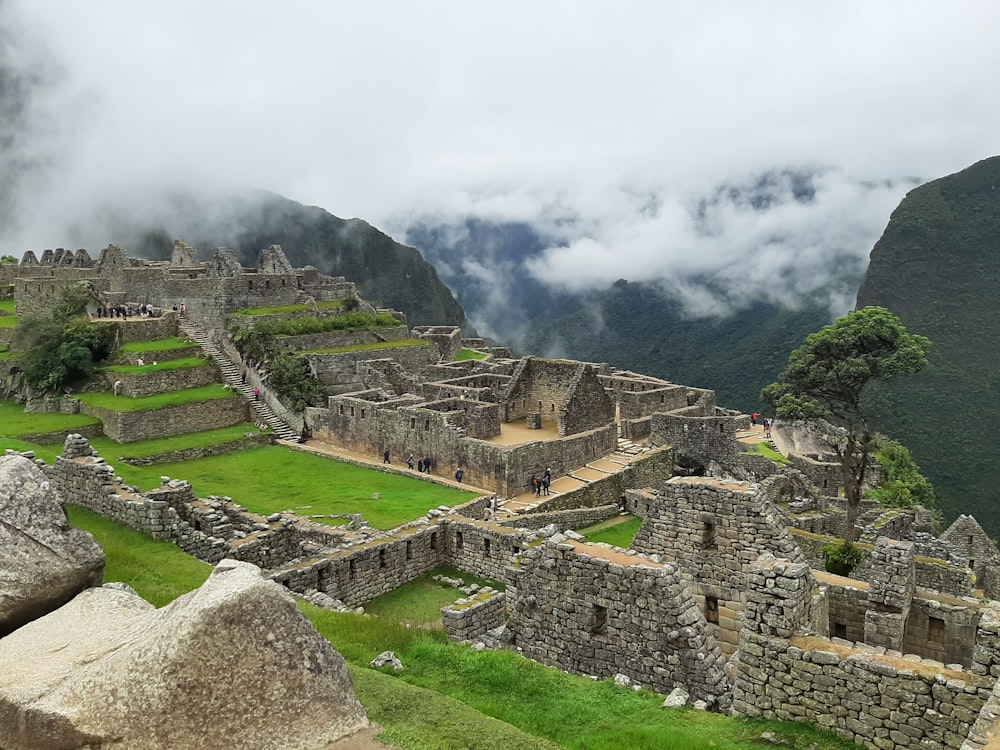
(755,417)
(126,311)
(423,465)
(540,485)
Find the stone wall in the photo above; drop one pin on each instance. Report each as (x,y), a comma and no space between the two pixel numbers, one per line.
(126,427)
(337,373)
(471,617)
(594,611)
(138,385)
(699,436)
(827,477)
(714,531)
(448,339)
(574,518)
(868,695)
(966,538)
(546,387)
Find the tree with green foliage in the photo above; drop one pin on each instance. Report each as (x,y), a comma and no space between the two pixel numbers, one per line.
(826,377)
(63,348)
(8,259)
(292,379)
(903,486)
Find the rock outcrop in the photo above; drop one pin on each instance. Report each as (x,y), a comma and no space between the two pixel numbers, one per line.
(44,562)
(232,664)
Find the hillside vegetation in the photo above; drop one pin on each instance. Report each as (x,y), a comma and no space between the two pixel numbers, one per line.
(936,266)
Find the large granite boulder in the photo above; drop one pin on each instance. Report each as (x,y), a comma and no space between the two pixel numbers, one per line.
(233,664)
(44,562)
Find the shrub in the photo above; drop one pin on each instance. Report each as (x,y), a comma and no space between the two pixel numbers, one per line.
(841,559)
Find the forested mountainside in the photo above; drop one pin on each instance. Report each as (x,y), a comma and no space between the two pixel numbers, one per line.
(937,266)
(386,272)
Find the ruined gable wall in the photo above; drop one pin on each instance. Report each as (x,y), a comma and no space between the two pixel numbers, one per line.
(338,373)
(540,386)
(578,608)
(715,533)
(37,295)
(586,406)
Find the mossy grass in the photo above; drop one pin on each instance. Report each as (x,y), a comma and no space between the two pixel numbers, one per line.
(466,354)
(764,449)
(159,401)
(186,363)
(157,570)
(160,345)
(400,344)
(8,321)
(334,304)
(270,479)
(419,602)
(14,422)
(618,531)
(47,453)
(6,307)
(450,696)
(111,450)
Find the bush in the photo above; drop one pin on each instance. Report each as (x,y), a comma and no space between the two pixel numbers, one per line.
(841,559)
(904,485)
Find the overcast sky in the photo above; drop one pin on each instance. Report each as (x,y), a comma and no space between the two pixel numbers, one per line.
(602,122)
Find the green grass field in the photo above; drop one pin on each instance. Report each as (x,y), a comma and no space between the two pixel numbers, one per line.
(7,317)
(333,304)
(273,478)
(452,697)
(171,364)
(159,401)
(14,422)
(466,354)
(399,344)
(618,531)
(160,345)
(419,602)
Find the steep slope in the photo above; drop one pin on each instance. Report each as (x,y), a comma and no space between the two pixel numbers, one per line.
(937,265)
(386,272)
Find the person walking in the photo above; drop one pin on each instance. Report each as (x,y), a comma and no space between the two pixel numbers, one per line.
(753,419)
(385,456)
(459,474)
(256,394)
(409,462)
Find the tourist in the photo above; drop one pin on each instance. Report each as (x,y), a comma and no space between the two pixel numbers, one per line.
(427,464)
(459,474)
(385,456)
(118,386)
(256,394)
(767,428)
(409,462)
(753,419)
(622,501)
(546,480)
(536,486)
(488,514)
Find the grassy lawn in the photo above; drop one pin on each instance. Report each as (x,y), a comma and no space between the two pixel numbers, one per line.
(159,401)
(111,450)
(400,344)
(419,602)
(330,304)
(7,317)
(617,531)
(450,696)
(47,453)
(272,479)
(157,570)
(469,354)
(171,364)
(764,449)
(160,345)
(14,422)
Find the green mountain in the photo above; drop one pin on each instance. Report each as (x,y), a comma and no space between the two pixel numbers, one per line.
(386,272)
(640,327)
(937,266)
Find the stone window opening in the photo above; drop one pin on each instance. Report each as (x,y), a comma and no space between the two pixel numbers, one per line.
(341,408)
(352,569)
(712,609)
(459,540)
(661,399)
(840,630)
(971,540)
(434,540)
(352,411)
(413,423)
(486,546)
(381,558)
(427,424)
(362,413)
(935,630)
(722,427)
(972,563)
(599,620)
(409,550)
(708,536)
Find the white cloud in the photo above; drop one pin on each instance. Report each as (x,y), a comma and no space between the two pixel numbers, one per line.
(601,123)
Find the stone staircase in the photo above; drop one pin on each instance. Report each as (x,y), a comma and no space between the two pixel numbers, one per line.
(231,374)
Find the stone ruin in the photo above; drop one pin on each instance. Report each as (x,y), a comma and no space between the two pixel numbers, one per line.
(730,562)
(99,666)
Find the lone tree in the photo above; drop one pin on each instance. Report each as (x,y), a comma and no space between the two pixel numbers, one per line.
(825,378)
